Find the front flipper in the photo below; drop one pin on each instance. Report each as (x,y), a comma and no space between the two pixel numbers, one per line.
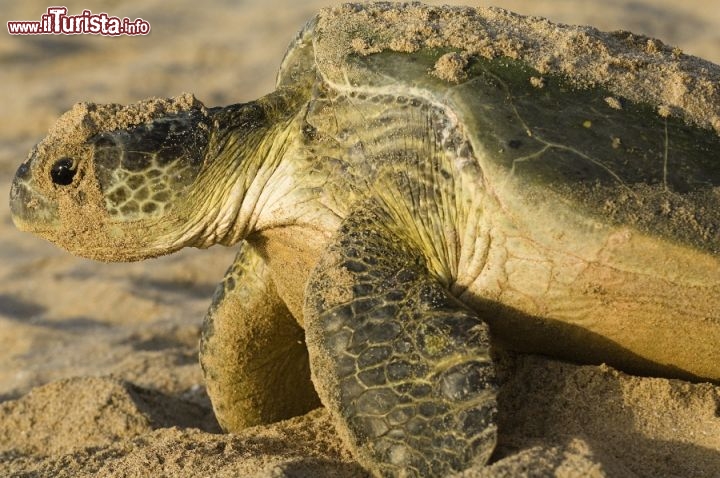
(252,350)
(403,366)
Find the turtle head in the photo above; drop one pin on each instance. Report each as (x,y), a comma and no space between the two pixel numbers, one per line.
(112,182)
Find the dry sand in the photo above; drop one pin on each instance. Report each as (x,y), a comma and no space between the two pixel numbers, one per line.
(99,371)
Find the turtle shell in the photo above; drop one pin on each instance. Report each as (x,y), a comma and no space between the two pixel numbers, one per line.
(596,129)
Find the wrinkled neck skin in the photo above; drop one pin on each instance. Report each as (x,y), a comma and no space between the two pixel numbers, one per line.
(246,148)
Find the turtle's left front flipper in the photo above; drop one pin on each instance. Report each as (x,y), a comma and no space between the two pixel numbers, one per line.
(252,351)
(403,366)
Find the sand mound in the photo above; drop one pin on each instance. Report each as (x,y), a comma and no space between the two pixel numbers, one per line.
(555,419)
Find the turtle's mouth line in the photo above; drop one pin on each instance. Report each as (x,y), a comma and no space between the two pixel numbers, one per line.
(114,254)
(32,227)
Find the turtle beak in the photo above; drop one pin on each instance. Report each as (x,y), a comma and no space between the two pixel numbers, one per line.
(29,210)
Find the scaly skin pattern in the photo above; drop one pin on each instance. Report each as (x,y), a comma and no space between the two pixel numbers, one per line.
(402,364)
(402,220)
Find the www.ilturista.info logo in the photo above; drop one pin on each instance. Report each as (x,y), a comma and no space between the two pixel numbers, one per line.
(57,22)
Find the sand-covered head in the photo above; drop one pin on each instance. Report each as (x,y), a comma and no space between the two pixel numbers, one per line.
(104,173)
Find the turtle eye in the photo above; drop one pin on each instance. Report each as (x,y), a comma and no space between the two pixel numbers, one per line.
(63,171)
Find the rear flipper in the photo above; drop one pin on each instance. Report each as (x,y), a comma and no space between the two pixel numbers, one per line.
(403,366)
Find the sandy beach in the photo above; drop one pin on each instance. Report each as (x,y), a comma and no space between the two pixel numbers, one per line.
(100,375)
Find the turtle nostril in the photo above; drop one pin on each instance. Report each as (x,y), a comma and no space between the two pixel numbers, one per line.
(23,172)
(63,171)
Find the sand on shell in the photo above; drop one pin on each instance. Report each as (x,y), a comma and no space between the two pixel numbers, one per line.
(100,374)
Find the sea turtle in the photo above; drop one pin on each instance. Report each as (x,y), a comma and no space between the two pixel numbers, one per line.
(420,177)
